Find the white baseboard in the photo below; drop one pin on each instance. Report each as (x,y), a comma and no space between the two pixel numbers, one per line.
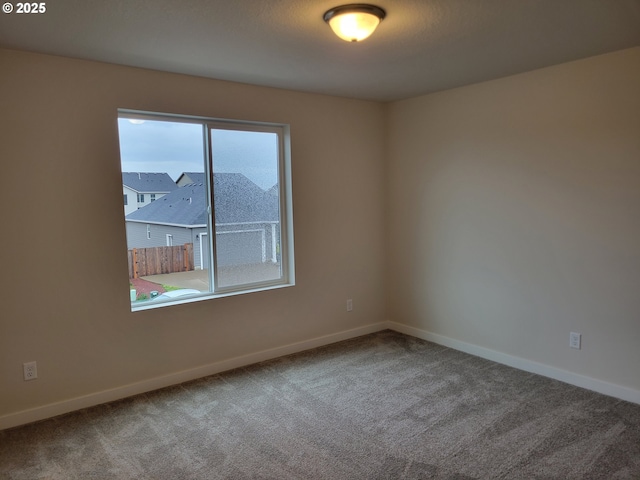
(617,391)
(66,406)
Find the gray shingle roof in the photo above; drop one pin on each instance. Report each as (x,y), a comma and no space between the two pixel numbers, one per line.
(145,182)
(237,200)
(191,177)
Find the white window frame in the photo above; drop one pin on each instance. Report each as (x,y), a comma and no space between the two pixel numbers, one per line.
(287,278)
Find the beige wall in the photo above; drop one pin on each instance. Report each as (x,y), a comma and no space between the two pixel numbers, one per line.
(63,256)
(511,209)
(514,215)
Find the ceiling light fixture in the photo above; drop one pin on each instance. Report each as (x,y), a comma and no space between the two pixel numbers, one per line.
(354,22)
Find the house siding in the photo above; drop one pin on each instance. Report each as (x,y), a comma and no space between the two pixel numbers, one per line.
(237,244)
(245,244)
(132,200)
(137,235)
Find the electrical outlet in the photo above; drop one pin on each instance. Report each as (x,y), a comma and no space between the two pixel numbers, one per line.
(575,339)
(349,305)
(30,370)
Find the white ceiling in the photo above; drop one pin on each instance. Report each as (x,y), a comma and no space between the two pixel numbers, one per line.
(421,47)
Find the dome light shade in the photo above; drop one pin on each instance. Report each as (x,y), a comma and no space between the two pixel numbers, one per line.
(354,22)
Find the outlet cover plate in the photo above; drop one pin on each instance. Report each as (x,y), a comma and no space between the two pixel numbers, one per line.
(575,340)
(30,370)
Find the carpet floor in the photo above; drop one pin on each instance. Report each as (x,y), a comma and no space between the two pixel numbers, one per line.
(381,406)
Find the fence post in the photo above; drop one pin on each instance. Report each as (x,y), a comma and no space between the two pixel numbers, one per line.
(185,250)
(134,261)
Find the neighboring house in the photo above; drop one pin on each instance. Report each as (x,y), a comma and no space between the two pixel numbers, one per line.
(247,221)
(142,188)
(190,177)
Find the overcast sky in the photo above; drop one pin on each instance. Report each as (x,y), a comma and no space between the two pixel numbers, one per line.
(174,148)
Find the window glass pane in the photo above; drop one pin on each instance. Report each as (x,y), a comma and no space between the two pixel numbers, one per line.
(247,206)
(163,163)
(187,237)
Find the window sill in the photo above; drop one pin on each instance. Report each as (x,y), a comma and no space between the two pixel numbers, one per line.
(153,304)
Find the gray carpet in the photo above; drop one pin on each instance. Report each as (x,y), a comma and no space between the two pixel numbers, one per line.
(382,406)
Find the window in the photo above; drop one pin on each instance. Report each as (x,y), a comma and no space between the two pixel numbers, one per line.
(125,200)
(141,198)
(225,225)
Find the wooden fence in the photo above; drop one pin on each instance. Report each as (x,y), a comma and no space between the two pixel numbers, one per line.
(157,260)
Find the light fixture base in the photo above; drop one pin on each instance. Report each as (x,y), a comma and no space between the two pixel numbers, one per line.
(354,8)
